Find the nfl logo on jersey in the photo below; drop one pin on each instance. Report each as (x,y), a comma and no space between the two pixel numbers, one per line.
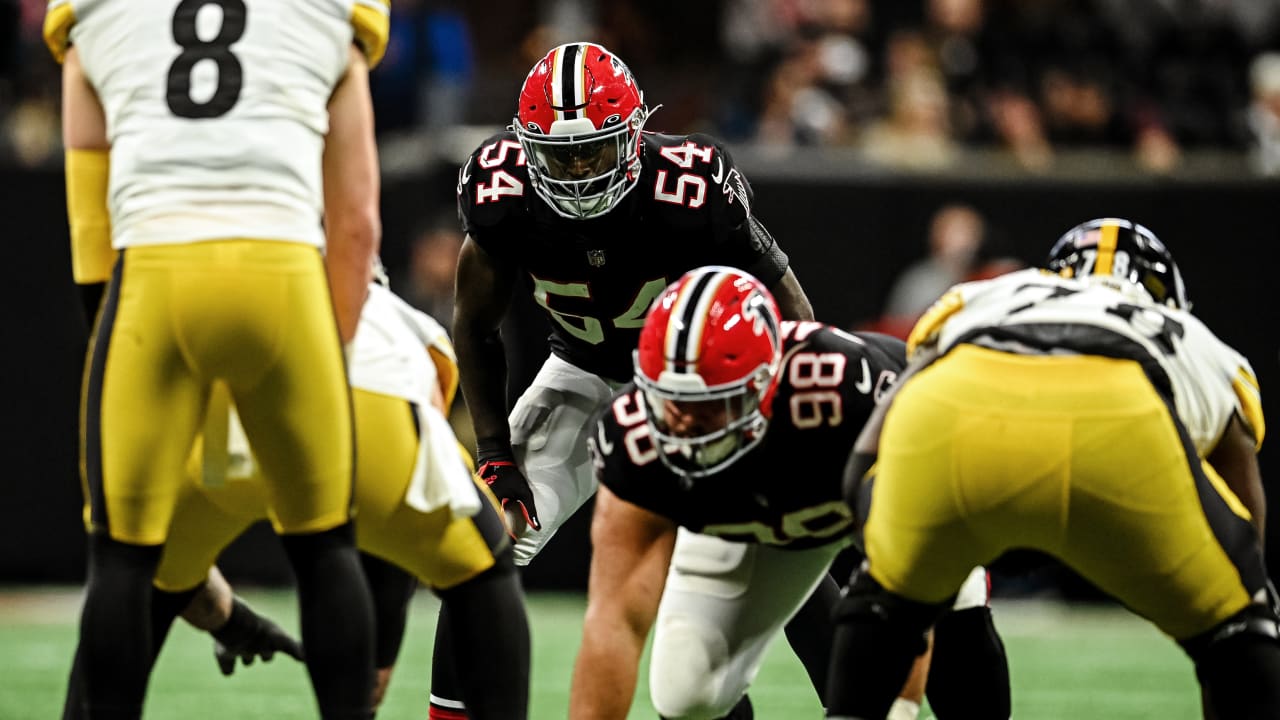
(595,258)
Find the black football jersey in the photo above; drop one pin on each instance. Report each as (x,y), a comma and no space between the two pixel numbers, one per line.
(596,278)
(786,491)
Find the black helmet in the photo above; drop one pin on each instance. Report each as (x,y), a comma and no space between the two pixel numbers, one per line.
(1123,249)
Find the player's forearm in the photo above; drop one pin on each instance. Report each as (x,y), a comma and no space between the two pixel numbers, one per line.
(482,364)
(211,606)
(88,168)
(352,247)
(793,304)
(1235,460)
(604,675)
(353,227)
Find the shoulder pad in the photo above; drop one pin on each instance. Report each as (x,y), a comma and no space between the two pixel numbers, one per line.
(887,343)
(880,343)
(717,188)
(697,153)
(501,149)
(371,20)
(58,19)
(492,181)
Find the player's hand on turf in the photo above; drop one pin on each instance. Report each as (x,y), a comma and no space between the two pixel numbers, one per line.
(509,485)
(247,635)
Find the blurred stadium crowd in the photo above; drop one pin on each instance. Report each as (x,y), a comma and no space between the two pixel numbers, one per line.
(908,84)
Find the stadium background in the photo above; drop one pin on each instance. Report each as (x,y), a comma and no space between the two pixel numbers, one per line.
(850,220)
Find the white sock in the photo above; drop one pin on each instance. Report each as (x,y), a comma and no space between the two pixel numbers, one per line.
(903,709)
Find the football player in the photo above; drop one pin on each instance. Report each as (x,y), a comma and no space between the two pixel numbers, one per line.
(421,509)
(212,182)
(1082,411)
(720,504)
(580,206)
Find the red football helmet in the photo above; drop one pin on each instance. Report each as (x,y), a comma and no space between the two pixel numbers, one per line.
(579,123)
(708,363)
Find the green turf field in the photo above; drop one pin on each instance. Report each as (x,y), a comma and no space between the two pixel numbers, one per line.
(1066,662)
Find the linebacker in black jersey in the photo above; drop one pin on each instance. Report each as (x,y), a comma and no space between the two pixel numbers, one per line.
(594,217)
(721,470)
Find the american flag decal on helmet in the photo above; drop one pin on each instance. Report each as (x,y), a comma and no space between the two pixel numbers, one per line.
(569,81)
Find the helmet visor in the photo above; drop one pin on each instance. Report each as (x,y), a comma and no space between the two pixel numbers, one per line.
(697,419)
(704,434)
(580,176)
(578,161)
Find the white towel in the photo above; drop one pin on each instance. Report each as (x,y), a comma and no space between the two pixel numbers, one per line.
(440,476)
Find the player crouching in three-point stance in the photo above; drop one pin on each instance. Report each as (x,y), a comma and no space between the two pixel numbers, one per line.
(1081,411)
(720,507)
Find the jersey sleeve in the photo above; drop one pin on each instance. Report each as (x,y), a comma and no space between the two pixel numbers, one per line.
(744,239)
(1245,385)
(371,20)
(59,17)
(491,186)
(1245,394)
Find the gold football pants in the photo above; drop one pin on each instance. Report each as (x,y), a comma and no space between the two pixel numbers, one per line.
(254,314)
(1076,456)
(441,550)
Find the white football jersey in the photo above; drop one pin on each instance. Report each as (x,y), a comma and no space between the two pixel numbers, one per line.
(215,109)
(1033,311)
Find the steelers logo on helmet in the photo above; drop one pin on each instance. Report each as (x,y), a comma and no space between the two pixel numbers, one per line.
(579,121)
(707,365)
(1122,254)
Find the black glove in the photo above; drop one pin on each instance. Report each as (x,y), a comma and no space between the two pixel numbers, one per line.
(248,635)
(499,471)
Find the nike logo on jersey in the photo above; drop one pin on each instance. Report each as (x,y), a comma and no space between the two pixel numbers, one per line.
(864,383)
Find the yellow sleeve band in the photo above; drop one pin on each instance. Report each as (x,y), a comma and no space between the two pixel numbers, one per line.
(91,254)
(930,323)
(59,16)
(371,20)
(1246,388)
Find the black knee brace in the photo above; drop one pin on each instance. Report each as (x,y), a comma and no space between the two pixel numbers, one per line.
(864,600)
